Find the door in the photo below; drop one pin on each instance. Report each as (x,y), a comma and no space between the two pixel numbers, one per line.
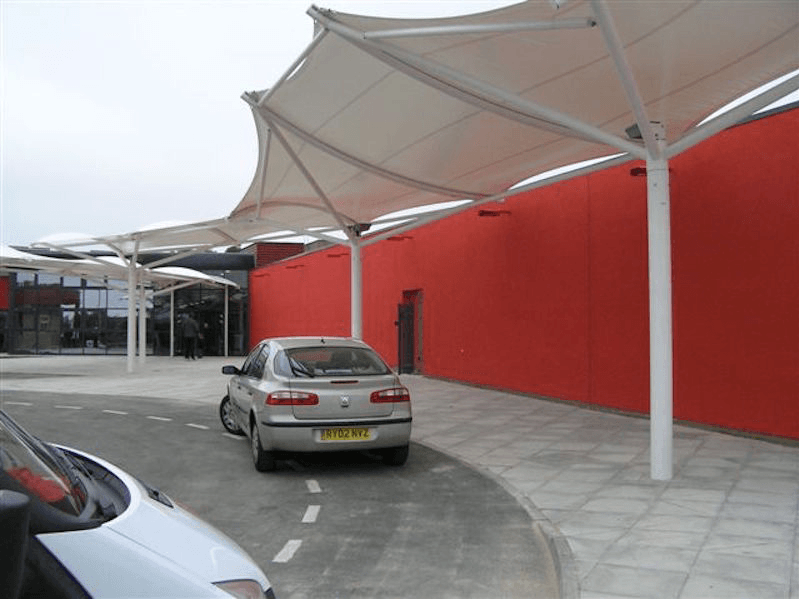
(405,338)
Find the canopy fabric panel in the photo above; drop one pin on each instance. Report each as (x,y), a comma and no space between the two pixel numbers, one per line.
(100,268)
(381,115)
(104,267)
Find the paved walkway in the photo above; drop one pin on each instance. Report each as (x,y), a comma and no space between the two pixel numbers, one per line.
(726,526)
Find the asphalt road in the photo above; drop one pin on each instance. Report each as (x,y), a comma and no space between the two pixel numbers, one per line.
(332,526)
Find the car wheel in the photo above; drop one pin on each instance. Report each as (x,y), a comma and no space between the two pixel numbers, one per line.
(226,416)
(395,456)
(262,459)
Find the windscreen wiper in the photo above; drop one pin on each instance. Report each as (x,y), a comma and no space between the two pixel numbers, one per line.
(299,369)
(104,505)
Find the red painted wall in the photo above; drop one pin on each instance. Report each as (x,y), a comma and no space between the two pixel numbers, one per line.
(552,298)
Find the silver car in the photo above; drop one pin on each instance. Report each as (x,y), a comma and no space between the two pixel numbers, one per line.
(317,394)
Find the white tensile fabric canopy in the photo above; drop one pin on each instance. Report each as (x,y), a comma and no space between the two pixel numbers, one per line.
(380,115)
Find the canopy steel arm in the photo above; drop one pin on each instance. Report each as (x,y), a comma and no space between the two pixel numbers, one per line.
(415,223)
(479,29)
(173,288)
(79,253)
(292,230)
(730,118)
(617,52)
(292,68)
(476,92)
(361,164)
(172,258)
(310,178)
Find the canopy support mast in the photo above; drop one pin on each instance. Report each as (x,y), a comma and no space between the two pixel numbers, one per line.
(660,277)
(659,245)
(356,291)
(131,343)
(142,323)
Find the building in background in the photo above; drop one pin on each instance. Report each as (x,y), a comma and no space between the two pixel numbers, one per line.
(43,313)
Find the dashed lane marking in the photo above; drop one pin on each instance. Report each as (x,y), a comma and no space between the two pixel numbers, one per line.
(68,407)
(114,412)
(312,512)
(313,486)
(13,403)
(238,438)
(288,551)
(196,426)
(154,418)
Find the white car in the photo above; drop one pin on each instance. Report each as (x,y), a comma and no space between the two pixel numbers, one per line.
(74,525)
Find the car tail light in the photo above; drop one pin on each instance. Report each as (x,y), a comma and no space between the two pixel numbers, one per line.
(397,394)
(290,398)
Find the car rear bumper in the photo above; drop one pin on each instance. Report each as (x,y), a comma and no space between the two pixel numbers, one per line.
(302,436)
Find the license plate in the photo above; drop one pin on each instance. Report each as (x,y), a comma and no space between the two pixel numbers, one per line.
(345,434)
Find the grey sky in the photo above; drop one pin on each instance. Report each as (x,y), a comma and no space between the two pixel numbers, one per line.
(117,115)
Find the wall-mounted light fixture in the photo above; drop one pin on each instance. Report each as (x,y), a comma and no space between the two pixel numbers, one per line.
(485,212)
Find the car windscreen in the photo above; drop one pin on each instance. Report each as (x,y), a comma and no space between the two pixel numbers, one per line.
(329,361)
(31,466)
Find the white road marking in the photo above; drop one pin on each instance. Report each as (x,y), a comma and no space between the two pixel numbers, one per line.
(313,486)
(288,551)
(115,412)
(11,402)
(159,418)
(234,437)
(312,512)
(204,427)
(68,407)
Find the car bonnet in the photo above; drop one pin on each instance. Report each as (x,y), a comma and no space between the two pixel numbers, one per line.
(173,534)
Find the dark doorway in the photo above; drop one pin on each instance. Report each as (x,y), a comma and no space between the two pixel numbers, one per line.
(409,332)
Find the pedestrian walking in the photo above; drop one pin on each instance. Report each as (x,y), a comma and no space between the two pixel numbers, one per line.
(190,330)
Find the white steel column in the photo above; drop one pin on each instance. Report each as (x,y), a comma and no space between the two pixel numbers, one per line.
(225,289)
(142,323)
(660,276)
(131,344)
(356,291)
(172,323)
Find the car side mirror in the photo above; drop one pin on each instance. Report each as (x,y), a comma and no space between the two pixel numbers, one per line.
(15,514)
(230,370)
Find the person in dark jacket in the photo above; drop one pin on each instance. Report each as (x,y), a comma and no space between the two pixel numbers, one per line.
(190,330)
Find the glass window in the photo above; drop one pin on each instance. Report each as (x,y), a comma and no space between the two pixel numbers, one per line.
(248,362)
(257,366)
(94,298)
(27,464)
(25,278)
(118,298)
(320,361)
(49,279)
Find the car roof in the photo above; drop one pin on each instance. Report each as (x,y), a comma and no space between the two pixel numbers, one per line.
(316,341)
